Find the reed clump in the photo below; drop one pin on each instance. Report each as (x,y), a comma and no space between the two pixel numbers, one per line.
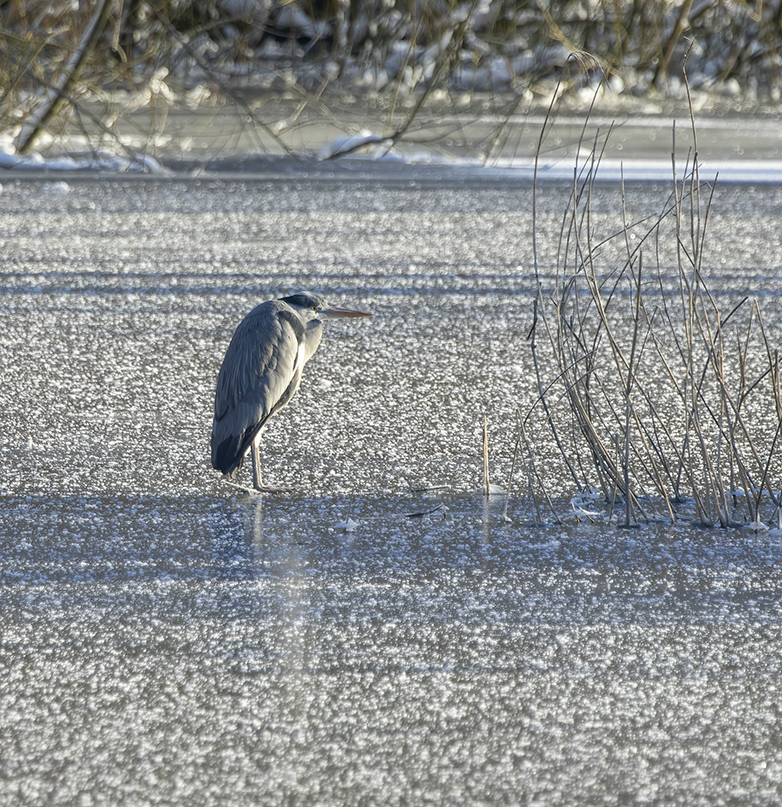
(660,397)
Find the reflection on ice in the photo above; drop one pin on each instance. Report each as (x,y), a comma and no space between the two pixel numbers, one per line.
(661,573)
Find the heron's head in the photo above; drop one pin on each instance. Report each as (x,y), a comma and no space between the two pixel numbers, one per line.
(312,306)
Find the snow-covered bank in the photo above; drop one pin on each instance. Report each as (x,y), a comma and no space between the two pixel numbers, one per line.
(241,78)
(476,142)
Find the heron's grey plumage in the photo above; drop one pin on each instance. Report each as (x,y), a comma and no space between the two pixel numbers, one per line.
(261,372)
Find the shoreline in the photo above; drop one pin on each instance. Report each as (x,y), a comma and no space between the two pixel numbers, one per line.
(220,142)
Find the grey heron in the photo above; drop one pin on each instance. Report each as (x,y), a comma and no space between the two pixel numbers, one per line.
(261,372)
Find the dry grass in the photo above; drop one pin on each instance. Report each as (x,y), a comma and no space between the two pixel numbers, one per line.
(655,394)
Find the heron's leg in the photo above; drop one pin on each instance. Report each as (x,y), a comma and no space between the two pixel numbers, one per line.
(257,483)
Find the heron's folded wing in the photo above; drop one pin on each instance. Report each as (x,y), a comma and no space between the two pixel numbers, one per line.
(260,373)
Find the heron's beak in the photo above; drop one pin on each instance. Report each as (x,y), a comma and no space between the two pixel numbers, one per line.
(334,313)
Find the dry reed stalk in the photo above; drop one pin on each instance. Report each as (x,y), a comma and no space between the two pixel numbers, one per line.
(486,484)
(510,477)
(533,476)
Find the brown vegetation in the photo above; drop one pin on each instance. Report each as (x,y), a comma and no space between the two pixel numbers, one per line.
(242,50)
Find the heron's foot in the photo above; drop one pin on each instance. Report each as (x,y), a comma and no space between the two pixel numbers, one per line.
(259,488)
(274,491)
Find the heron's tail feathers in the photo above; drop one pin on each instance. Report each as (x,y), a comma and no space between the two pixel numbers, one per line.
(225,455)
(229,451)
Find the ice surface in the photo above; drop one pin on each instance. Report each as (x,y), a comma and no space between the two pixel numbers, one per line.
(219,650)
(168,639)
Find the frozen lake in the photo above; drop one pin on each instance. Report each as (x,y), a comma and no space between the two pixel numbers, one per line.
(168,639)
